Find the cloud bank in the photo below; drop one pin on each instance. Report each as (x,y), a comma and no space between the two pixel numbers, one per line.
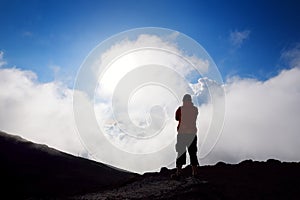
(262,118)
(40,112)
(141,81)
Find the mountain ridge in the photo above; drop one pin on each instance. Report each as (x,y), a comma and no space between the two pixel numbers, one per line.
(40,171)
(33,171)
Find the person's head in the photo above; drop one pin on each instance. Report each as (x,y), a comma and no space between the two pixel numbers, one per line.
(187,98)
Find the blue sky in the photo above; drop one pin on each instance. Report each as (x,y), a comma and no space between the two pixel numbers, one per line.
(39,35)
(258,41)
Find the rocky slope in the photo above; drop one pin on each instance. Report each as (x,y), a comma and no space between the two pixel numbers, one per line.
(37,171)
(246,180)
(32,171)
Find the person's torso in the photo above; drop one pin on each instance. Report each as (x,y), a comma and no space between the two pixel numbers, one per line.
(188,117)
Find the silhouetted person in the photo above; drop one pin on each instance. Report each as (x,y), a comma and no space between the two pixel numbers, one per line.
(186,115)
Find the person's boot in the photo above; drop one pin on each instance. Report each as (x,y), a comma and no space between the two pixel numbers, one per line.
(194,171)
(177,174)
(179,170)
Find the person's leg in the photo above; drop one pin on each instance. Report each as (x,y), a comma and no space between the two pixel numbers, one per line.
(181,153)
(193,156)
(180,161)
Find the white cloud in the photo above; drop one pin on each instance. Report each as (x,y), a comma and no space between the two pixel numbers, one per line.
(292,56)
(237,38)
(56,69)
(161,63)
(58,74)
(40,112)
(2,61)
(262,119)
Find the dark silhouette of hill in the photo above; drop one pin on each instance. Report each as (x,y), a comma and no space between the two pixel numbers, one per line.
(247,180)
(33,170)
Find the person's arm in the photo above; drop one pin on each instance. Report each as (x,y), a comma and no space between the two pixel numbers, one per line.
(196,113)
(178,114)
